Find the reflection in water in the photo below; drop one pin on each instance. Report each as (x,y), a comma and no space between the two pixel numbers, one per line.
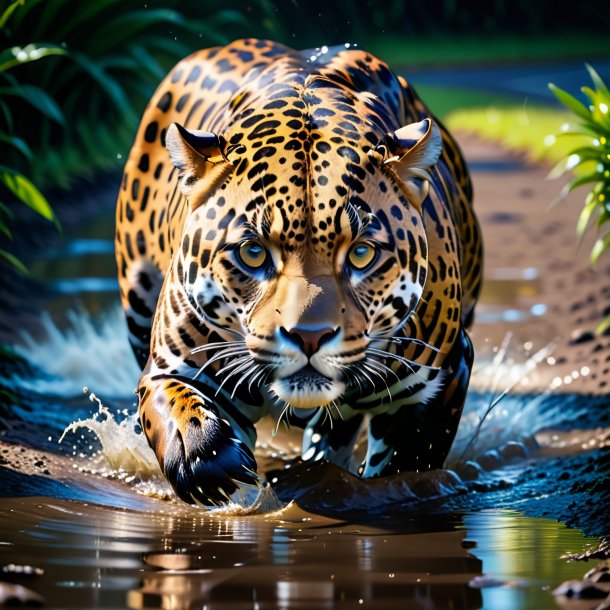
(178,557)
(522,553)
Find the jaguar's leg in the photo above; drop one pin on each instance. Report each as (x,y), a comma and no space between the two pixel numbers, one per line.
(141,282)
(419,437)
(204,457)
(332,443)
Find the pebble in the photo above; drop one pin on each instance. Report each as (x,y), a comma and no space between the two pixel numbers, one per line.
(490,460)
(18,595)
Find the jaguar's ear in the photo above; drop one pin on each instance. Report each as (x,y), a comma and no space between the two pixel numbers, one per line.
(412,151)
(199,157)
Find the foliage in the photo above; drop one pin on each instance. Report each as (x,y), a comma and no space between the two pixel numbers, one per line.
(114,53)
(592,122)
(518,128)
(14,183)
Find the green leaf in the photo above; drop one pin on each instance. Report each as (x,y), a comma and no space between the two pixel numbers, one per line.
(574,129)
(6,211)
(38,98)
(4,229)
(116,32)
(585,217)
(111,87)
(87,11)
(570,102)
(17,143)
(9,396)
(594,177)
(13,260)
(599,246)
(26,192)
(603,326)
(597,81)
(144,58)
(15,56)
(8,11)
(588,153)
(8,117)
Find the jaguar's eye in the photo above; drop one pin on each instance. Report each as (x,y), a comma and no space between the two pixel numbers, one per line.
(361,256)
(252,255)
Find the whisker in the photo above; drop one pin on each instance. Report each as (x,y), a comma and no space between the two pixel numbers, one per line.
(215,345)
(240,368)
(375,372)
(246,374)
(384,367)
(219,356)
(406,361)
(284,411)
(328,417)
(349,372)
(401,359)
(337,409)
(399,340)
(365,376)
(262,371)
(233,364)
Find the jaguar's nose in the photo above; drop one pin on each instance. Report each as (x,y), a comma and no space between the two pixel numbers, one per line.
(309,340)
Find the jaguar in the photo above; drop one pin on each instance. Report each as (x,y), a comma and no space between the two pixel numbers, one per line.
(295,236)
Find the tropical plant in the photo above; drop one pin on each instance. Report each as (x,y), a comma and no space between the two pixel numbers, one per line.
(114,54)
(594,123)
(15,184)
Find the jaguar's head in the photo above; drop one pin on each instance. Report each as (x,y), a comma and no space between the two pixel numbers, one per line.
(304,243)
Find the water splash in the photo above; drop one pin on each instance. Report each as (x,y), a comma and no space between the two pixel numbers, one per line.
(125,455)
(500,423)
(493,416)
(88,351)
(121,447)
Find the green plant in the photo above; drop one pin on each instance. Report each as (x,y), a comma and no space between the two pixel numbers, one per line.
(114,52)
(14,183)
(593,122)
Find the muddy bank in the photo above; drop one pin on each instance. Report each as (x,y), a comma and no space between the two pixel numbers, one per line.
(539,282)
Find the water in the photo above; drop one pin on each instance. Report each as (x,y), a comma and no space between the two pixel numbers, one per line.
(94,513)
(174,557)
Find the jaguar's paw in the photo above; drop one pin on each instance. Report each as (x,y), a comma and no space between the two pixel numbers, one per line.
(204,461)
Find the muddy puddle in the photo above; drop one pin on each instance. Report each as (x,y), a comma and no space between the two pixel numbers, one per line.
(175,557)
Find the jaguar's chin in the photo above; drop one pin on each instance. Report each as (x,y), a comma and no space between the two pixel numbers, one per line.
(307,388)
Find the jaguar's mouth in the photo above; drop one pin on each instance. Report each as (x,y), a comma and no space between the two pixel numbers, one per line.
(307,388)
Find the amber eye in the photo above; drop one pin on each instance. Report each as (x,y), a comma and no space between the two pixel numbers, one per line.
(361,256)
(253,255)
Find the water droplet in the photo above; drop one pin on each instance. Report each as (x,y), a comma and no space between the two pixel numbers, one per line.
(550,140)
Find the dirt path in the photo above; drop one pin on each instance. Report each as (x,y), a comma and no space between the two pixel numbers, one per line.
(535,265)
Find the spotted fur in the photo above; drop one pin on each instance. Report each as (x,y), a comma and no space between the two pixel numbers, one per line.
(313,163)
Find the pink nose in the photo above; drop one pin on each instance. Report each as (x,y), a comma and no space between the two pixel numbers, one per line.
(307,339)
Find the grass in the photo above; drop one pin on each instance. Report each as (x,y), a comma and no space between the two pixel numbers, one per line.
(528,130)
(455,50)
(444,101)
